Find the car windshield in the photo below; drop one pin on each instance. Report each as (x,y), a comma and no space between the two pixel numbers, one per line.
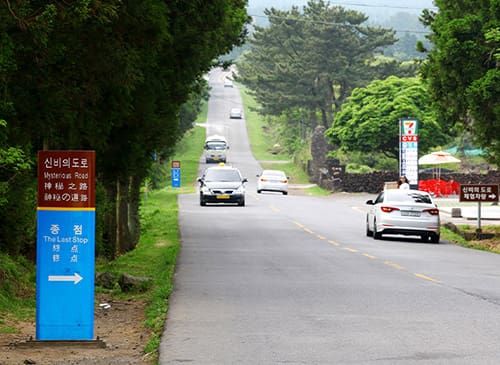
(222,175)
(216,146)
(409,197)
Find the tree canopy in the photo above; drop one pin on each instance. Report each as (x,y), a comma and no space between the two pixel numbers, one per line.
(110,76)
(312,58)
(369,119)
(463,68)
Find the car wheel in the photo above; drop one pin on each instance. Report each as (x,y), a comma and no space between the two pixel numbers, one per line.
(285,193)
(202,201)
(241,203)
(259,191)
(435,238)
(368,232)
(424,237)
(376,235)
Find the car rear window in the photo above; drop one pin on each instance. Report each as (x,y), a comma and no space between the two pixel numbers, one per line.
(273,174)
(415,197)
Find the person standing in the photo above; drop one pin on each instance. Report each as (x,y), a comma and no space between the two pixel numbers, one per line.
(404,183)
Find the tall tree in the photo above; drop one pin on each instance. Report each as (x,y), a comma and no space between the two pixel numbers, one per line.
(111,76)
(369,119)
(462,70)
(311,59)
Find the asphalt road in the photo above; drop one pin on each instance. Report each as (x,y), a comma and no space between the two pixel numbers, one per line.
(294,280)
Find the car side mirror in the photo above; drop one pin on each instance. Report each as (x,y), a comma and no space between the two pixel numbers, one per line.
(370,202)
(244,180)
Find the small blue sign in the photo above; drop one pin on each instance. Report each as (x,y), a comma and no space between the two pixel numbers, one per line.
(176,177)
(65,274)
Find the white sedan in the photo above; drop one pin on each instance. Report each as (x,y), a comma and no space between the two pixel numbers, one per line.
(403,212)
(235,113)
(272,180)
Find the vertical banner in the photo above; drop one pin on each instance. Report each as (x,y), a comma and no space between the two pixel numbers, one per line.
(408,150)
(176,174)
(65,245)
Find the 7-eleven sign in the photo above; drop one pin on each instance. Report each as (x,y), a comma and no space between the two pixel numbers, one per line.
(409,127)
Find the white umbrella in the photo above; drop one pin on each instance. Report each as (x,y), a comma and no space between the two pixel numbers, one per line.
(437,158)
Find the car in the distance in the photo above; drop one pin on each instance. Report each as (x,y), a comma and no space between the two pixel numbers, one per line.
(228,83)
(403,212)
(235,113)
(216,149)
(222,184)
(272,180)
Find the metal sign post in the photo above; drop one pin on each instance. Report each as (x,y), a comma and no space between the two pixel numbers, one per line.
(176,174)
(65,245)
(478,193)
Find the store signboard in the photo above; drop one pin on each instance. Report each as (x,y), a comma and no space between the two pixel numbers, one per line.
(408,150)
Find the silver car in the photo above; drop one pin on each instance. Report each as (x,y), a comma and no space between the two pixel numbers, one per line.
(272,180)
(222,184)
(235,113)
(403,212)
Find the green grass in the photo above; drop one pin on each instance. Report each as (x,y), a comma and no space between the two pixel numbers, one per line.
(159,242)
(17,290)
(262,145)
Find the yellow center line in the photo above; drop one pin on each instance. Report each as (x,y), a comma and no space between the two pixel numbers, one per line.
(298,224)
(370,256)
(350,249)
(334,243)
(394,265)
(425,277)
(321,237)
(308,230)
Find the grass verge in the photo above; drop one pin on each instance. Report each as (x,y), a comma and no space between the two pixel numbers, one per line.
(159,242)
(262,145)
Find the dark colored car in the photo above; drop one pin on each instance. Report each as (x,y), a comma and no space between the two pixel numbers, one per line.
(222,184)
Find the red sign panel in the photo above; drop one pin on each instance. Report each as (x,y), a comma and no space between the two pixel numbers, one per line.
(176,164)
(66,179)
(409,138)
(478,193)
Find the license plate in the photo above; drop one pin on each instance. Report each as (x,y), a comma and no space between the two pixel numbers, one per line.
(216,158)
(222,196)
(407,213)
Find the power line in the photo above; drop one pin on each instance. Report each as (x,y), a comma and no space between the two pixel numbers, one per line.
(383,6)
(311,21)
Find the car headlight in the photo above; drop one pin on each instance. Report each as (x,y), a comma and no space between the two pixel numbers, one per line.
(240,189)
(205,190)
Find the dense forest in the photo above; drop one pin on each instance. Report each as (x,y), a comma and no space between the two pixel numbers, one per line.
(123,78)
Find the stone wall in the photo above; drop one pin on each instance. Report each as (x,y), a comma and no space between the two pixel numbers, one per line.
(338,180)
(329,174)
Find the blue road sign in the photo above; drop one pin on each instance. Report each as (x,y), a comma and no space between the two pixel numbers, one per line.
(176,177)
(65,274)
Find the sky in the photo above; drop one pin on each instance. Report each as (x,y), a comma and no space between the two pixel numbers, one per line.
(376,9)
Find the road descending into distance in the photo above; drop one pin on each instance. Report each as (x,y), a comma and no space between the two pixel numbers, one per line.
(294,280)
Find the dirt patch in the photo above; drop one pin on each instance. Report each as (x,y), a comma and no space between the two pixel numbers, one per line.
(120,327)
